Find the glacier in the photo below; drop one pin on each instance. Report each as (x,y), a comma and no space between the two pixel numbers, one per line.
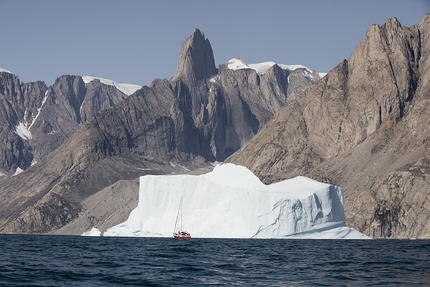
(231,202)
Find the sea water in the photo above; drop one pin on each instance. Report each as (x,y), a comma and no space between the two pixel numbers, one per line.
(42,260)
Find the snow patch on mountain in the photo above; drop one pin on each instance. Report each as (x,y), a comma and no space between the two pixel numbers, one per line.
(18,171)
(5,71)
(38,110)
(127,89)
(23,131)
(214,79)
(231,202)
(261,68)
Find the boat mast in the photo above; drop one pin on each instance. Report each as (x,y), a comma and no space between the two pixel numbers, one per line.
(180,222)
(177,216)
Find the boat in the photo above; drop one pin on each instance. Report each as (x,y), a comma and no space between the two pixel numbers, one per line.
(179,233)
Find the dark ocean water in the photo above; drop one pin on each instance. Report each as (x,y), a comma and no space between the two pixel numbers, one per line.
(37,260)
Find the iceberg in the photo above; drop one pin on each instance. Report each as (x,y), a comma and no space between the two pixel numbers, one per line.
(93,232)
(231,202)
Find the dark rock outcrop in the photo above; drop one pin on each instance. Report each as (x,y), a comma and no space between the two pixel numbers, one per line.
(364,127)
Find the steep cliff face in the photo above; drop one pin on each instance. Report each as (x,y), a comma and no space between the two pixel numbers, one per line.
(364,127)
(36,119)
(199,116)
(15,98)
(67,105)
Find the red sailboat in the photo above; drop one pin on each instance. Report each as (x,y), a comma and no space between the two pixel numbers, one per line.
(180,233)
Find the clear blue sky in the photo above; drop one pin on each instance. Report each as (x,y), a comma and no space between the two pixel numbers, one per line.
(137,41)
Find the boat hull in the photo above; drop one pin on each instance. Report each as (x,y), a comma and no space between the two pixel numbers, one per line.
(181,236)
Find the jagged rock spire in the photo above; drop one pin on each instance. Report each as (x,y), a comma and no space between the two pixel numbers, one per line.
(196,60)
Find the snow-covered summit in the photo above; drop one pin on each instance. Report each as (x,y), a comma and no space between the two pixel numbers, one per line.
(127,89)
(231,202)
(261,68)
(5,71)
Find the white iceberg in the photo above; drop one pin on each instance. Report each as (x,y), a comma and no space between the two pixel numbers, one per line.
(231,202)
(93,232)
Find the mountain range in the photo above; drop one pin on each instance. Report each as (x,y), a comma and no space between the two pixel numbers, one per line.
(364,127)
(80,140)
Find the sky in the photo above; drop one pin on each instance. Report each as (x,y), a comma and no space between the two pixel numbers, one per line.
(136,41)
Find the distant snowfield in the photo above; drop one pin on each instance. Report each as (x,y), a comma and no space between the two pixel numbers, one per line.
(231,202)
(261,68)
(127,89)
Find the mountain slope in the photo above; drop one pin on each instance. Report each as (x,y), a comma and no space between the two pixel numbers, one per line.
(364,127)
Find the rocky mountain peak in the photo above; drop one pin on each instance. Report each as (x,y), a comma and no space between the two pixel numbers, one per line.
(196,59)
(382,34)
(392,23)
(425,20)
